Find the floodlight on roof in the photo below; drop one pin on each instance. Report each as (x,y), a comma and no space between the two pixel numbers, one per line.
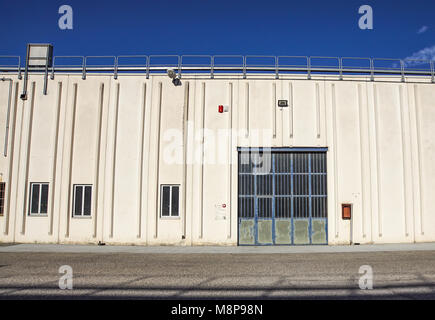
(171,73)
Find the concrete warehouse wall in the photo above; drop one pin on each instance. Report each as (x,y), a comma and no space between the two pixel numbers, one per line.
(128,136)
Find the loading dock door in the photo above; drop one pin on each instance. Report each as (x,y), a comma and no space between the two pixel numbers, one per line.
(282,197)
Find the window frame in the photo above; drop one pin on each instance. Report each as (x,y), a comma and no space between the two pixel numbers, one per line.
(38,214)
(171,186)
(82,215)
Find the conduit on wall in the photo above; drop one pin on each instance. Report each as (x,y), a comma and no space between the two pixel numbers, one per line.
(11,159)
(201,211)
(29,143)
(362,176)
(184,184)
(54,162)
(420,164)
(378,178)
(73,122)
(141,159)
(115,140)
(159,105)
(11,82)
(317,111)
(402,144)
(97,158)
(334,137)
(274,109)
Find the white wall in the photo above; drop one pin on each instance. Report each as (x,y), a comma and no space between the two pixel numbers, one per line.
(120,136)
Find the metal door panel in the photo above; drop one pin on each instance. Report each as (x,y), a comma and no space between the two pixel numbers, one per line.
(282,197)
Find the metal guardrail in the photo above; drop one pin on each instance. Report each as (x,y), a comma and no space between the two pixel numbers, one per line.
(14,62)
(212,65)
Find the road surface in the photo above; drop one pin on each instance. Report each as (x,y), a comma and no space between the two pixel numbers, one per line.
(396,275)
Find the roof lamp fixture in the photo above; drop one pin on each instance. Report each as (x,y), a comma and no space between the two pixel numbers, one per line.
(173,75)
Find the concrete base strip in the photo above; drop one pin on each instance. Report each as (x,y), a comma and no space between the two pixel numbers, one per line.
(60,248)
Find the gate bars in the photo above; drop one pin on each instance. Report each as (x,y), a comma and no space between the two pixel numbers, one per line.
(285,190)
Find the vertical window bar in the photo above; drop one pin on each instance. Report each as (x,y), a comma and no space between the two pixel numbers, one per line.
(174,201)
(39,200)
(44,198)
(78,201)
(2,197)
(83,200)
(165,201)
(87,199)
(34,209)
(170,201)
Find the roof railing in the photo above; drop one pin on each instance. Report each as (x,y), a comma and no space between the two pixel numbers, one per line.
(11,62)
(245,65)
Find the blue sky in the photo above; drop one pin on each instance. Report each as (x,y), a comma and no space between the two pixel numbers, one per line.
(305,27)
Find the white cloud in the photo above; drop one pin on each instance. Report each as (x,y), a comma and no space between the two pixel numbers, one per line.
(424,54)
(422,29)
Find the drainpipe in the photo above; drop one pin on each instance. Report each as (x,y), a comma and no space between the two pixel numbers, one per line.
(5,151)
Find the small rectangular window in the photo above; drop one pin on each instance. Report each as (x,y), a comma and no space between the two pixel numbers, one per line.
(38,198)
(169,201)
(82,200)
(2,198)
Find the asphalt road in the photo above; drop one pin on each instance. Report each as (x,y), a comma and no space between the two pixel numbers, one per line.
(396,275)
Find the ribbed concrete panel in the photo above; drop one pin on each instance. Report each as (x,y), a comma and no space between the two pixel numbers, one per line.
(123,136)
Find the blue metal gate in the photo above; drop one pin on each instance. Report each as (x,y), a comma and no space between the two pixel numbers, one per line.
(282,196)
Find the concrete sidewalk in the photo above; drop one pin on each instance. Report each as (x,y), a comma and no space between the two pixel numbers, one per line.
(66,248)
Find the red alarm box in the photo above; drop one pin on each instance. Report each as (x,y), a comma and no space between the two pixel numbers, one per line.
(346,211)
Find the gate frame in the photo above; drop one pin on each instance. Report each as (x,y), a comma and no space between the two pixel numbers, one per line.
(288,150)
